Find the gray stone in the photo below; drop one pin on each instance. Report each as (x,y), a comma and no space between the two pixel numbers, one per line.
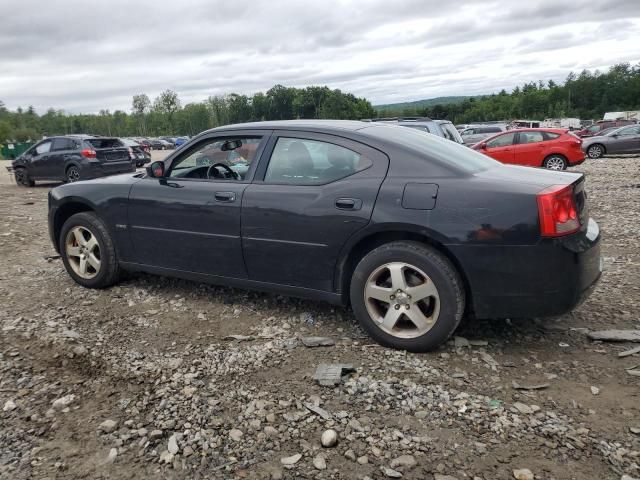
(350,454)
(108,426)
(172,446)
(329,375)
(439,476)
(113,453)
(363,460)
(523,474)
(318,411)
(292,460)
(63,402)
(155,434)
(329,438)
(522,408)
(390,472)
(403,461)
(317,342)
(319,462)
(626,353)
(235,434)
(9,405)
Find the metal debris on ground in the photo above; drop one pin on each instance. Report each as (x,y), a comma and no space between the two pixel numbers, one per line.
(329,375)
(627,353)
(615,335)
(540,386)
(317,342)
(239,338)
(318,411)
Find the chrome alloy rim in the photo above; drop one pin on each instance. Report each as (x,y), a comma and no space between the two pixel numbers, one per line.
(83,252)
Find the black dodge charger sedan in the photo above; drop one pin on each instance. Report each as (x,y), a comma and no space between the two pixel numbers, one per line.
(413,231)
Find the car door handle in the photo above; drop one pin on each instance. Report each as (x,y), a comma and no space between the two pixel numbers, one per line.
(225,196)
(348,204)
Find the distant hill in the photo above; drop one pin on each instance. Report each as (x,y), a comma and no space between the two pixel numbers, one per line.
(429,102)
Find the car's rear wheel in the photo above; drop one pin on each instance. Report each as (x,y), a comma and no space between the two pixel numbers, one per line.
(73,174)
(22,178)
(555,162)
(87,251)
(407,295)
(595,151)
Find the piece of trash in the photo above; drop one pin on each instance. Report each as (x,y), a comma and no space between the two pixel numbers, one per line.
(595,390)
(51,257)
(489,360)
(540,386)
(307,318)
(615,335)
(317,342)
(238,338)
(495,403)
(318,411)
(563,345)
(329,375)
(626,353)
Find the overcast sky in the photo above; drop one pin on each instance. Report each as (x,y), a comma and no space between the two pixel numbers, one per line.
(85,55)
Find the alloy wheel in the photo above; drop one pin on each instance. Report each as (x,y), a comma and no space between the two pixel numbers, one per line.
(73,175)
(555,163)
(595,151)
(83,252)
(402,300)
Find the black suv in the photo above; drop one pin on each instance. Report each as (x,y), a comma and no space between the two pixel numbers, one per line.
(72,158)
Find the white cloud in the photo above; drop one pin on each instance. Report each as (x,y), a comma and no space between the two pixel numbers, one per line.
(85,55)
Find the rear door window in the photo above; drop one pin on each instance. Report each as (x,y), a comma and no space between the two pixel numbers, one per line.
(551,136)
(60,144)
(299,161)
(531,137)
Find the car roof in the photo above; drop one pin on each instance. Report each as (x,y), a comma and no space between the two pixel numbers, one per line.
(325,125)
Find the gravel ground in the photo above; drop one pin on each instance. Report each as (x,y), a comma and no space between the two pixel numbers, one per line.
(143,381)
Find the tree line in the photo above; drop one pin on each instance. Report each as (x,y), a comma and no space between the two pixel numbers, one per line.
(166,115)
(587,95)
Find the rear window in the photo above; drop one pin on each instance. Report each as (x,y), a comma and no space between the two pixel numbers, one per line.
(443,150)
(104,142)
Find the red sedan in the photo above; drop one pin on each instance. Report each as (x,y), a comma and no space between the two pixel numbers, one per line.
(552,148)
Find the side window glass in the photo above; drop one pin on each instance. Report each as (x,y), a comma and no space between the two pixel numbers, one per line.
(501,141)
(62,144)
(44,147)
(218,158)
(310,162)
(531,137)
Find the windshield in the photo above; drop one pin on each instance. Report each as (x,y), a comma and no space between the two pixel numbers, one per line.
(446,151)
(612,131)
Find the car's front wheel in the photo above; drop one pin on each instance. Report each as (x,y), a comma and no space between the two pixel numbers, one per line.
(595,151)
(555,162)
(87,251)
(407,295)
(22,178)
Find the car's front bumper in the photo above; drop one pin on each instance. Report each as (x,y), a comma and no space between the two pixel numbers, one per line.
(547,279)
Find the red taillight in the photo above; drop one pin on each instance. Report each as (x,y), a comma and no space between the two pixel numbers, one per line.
(557,210)
(88,153)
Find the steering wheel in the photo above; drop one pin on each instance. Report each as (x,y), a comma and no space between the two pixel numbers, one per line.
(229,173)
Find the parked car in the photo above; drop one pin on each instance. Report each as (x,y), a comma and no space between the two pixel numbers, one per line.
(168,142)
(619,140)
(472,135)
(411,230)
(450,131)
(72,158)
(142,154)
(597,127)
(423,124)
(154,144)
(552,148)
(181,141)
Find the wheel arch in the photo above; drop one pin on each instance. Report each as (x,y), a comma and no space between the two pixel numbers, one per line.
(358,247)
(63,213)
(555,154)
(601,145)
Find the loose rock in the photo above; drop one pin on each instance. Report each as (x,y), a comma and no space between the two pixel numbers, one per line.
(329,438)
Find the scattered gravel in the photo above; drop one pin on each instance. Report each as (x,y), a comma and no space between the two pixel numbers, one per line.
(163,378)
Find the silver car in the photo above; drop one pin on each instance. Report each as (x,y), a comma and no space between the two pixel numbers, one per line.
(473,135)
(620,140)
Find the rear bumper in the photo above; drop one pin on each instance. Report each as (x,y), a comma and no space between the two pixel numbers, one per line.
(548,279)
(104,169)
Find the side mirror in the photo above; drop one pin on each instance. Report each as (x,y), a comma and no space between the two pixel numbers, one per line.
(156,170)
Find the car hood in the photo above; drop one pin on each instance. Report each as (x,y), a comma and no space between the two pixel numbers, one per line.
(536,177)
(596,139)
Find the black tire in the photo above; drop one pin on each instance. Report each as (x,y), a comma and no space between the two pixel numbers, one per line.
(22,178)
(109,270)
(440,271)
(72,174)
(596,151)
(555,162)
